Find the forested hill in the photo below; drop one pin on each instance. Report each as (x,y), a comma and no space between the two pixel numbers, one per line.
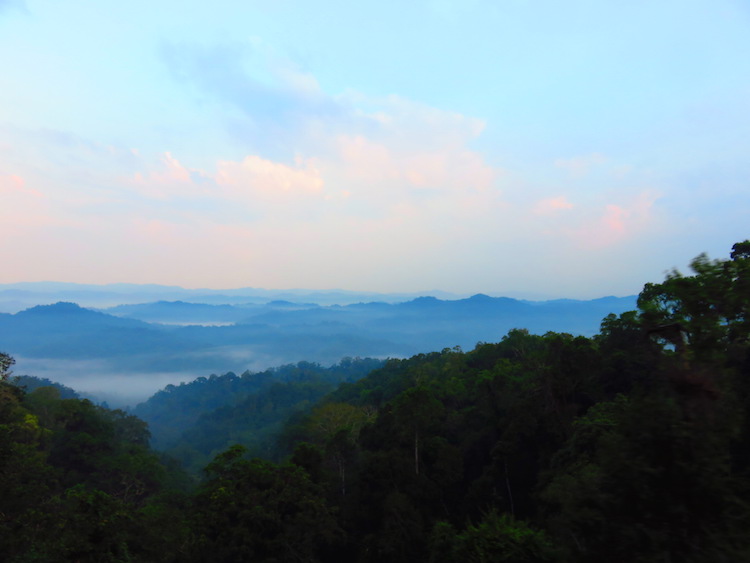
(195,421)
(630,446)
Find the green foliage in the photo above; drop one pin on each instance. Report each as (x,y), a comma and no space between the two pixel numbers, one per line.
(253,421)
(195,421)
(73,477)
(253,510)
(712,306)
(643,479)
(5,364)
(497,538)
(30,383)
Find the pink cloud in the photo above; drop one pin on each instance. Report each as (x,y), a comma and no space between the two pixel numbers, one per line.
(619,222)
(415,154)
(23,208)
(257,177)
(552,205)
(170,179)
(615,218)
(368,162)
(363,160)
(13,183)
(253,179)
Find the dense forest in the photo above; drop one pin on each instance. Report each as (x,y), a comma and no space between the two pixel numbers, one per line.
(193,422)
(629,446)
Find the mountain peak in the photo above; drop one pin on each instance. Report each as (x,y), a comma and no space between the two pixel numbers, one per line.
(61,307)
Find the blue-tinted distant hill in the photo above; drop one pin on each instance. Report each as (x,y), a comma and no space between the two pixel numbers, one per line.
(198,339)
(181,312)
(19,296)
(65,330)
(184,313)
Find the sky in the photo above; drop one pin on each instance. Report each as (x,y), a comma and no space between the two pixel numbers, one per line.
(529,148)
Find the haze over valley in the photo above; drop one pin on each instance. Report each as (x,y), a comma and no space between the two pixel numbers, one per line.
(124,353)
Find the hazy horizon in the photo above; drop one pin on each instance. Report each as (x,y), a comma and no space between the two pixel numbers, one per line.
(41,286)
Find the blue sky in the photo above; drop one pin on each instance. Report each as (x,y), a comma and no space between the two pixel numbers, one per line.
(527,148)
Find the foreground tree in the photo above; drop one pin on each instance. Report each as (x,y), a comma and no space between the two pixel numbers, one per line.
(709,309)
(254,510)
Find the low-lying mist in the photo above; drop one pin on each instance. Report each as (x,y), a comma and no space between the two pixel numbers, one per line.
(105,380)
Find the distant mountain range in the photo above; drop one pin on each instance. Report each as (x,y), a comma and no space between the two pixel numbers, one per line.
(69,343)
(15,297)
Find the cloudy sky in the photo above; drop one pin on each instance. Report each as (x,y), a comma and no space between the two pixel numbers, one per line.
(532,148)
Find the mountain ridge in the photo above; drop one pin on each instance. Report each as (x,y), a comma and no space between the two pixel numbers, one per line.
(179,341)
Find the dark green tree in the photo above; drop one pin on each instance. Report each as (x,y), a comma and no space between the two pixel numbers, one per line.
(254,510)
